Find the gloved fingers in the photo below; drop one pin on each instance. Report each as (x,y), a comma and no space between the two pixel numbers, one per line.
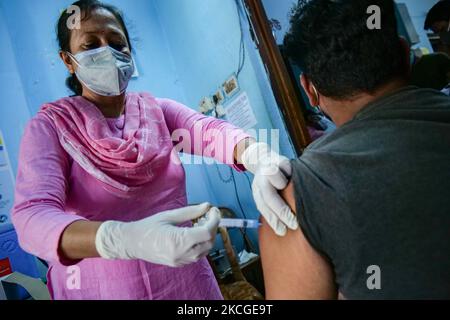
(194,254)
(271,199)
(286,167)
(197,235)
(213,220)
(287,216)
(200,251)
(209,222)
(187,214)
(278,180)
(179,263)
(277,205)
(272,219)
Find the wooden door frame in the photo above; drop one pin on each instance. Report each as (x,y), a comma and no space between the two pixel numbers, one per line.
(286,95)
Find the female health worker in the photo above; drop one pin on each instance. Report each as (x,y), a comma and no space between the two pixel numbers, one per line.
(99,194)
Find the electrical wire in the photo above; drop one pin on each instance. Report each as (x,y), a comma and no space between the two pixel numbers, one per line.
(241,64)
(224,180)
(232,179)
(242,52)
(249,182)
(244,230)
(237,194)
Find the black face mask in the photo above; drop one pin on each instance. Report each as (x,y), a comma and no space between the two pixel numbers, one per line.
(445,36)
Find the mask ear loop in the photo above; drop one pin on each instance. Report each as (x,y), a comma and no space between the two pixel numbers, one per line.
(71,56)
(316,93)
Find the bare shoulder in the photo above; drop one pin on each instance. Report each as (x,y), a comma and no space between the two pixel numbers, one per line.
(293,270)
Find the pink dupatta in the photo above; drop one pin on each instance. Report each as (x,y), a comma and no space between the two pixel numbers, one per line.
(123,164)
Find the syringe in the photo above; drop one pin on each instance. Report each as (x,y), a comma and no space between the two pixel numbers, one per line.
(240,223)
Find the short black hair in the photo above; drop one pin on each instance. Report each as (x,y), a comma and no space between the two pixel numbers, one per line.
(63,33)
(333,45)
(439,12)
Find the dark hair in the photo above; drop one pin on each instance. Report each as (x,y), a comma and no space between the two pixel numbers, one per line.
(64,34)
(332,44)
(439,12)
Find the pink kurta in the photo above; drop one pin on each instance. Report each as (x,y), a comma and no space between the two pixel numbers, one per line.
(53,191)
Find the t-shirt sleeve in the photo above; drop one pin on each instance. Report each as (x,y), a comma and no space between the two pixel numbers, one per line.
(318,201)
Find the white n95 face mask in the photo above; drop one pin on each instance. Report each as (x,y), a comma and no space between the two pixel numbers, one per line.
(104,71)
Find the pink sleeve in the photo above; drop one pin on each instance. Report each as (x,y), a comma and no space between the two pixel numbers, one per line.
(38,214)
(202,135)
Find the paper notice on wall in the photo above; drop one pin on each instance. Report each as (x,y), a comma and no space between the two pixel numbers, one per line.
(6,183)
(240,112)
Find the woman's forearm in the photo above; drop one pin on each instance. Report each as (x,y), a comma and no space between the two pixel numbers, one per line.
(78,241)
(240,149)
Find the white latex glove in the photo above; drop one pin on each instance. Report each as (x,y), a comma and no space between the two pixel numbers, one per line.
(158,240)
(272,173)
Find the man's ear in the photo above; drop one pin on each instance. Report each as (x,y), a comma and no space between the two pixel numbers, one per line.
(310,92)
(67,61)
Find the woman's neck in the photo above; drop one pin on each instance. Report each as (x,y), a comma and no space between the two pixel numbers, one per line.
(110,107)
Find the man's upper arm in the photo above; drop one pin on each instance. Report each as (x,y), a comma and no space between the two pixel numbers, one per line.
(293,270)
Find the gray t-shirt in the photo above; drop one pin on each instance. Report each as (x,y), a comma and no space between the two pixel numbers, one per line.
(374,198)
